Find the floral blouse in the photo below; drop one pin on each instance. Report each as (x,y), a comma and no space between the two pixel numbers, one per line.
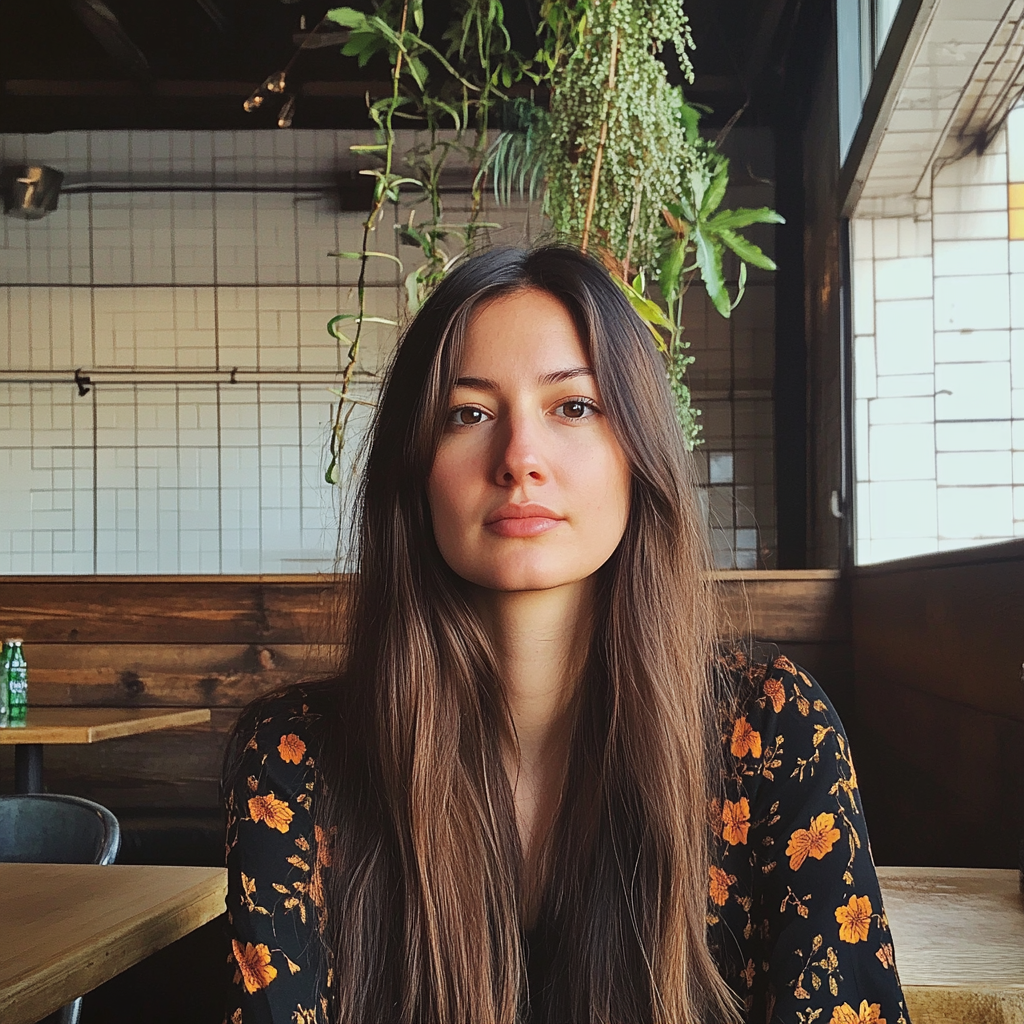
(795,917)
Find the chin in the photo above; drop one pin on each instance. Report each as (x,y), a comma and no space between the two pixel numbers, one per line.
(519,578)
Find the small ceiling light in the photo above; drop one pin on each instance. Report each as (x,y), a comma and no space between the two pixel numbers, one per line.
(275,83)
(254,102)
(284,118)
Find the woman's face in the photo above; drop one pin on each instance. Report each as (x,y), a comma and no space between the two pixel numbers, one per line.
(530,488)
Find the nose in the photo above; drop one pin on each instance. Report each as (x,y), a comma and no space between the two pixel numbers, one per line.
(519,457)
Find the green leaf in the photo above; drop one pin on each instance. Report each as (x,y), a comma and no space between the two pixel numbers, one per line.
(412,291)
(368,252)
(418,70)
(381,148)
(746,250)
(361,319)
(672,268)
(347,17)
(651,313)
(408,235)
(416,6)
(741,286)
(689,117)
(333,330)
(691,203)
(709,260)
(716,190)
(743,217)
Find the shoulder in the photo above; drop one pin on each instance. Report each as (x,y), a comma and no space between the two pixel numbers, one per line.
(286,720)
(765,701)
(276,742)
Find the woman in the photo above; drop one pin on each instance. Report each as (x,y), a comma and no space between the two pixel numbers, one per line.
(499,811)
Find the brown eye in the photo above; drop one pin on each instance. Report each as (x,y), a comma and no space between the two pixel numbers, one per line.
(576,409)
(466,416)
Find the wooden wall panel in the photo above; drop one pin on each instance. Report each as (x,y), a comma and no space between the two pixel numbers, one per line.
(178,609)
(219,642)
(170,674)
(939,697)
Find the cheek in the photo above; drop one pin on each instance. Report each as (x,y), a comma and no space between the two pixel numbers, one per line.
(603,483)
(449,497)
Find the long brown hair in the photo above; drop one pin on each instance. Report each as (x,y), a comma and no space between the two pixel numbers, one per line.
(424,898)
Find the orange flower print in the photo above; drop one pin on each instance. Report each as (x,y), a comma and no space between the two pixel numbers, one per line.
(719,886)
(884,954)
(275,813)
(736,821)
(291,748)
(749,973)
(254,965)
(745,739)
(785,664)
(814,842)
(867,1014)
(776,693)
(855,920)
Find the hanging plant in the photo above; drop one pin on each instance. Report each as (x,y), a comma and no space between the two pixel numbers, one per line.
(616,158)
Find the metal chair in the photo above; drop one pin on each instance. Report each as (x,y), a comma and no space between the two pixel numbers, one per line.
(45,828)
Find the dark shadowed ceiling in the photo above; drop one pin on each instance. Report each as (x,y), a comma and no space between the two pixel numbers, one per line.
(75,64)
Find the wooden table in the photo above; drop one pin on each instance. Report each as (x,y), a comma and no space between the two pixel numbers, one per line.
(82,725)
(66,928)
(959,940)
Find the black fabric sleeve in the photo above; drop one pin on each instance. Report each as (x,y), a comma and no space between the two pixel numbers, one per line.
(275,860)
(794,895)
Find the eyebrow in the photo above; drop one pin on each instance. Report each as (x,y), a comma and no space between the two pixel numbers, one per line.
(555,377)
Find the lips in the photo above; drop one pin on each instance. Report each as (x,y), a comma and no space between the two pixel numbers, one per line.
(526,520)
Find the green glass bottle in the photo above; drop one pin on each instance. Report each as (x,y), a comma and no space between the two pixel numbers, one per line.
(16,679)
(3,685)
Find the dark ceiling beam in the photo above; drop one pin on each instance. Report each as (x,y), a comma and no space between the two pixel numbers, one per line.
(179,88)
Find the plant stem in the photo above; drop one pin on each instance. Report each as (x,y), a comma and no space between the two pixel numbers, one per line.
(634,217)
(341,419)
(596,173)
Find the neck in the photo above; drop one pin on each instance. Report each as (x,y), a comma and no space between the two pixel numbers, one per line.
(541,639)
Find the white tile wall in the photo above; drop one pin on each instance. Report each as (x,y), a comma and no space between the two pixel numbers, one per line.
(939,361)
(179,478)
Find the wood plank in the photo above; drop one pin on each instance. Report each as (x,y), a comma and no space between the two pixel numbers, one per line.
(91,725)
(803,606)
(956,631)
(205,610)
(942,782)
(70,927)
(139,675)
(800,607)
(956,926)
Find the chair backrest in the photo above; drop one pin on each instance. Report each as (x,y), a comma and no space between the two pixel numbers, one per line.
(46,828)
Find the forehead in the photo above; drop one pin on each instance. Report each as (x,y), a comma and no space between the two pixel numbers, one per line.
(527,328)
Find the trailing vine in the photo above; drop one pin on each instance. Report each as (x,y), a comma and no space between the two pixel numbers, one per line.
(616,157)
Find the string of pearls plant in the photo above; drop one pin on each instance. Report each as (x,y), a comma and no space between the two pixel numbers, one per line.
(617,147)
